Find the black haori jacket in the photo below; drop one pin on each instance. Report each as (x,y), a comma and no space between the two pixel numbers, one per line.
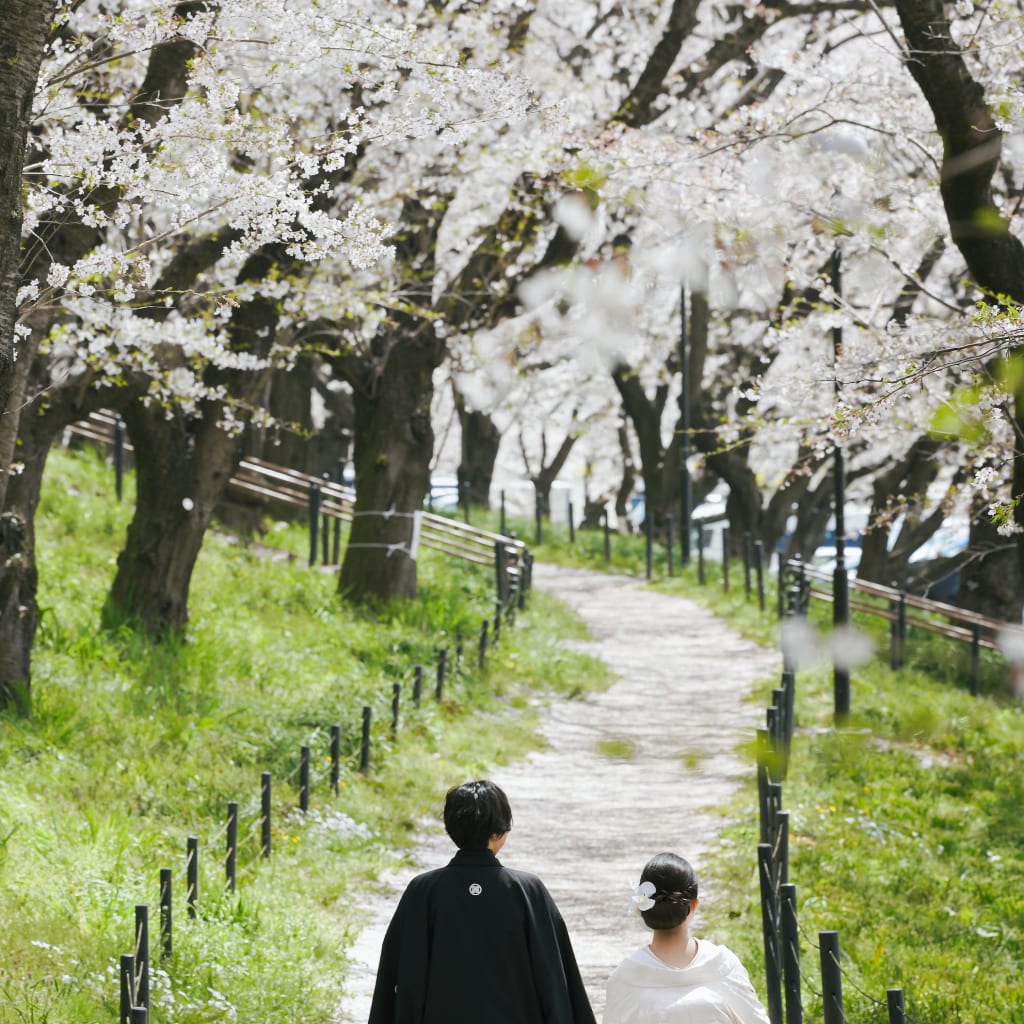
(478,943)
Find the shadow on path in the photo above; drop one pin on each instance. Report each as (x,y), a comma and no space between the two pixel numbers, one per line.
(586,822)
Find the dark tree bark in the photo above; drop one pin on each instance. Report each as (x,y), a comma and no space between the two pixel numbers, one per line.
(545,473)
(972,150)
(628,482)
(394,444)
(290,403)
(906,481)
(481,440)
(26,26)
(182,467)
(646,413)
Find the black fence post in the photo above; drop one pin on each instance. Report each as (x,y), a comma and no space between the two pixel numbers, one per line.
(459,647)
(119,457)
(538,514)
(417,684)
(607,538)
(142,957)
(759,572)
(304,779)
(335,758)
(669,543)
(700,554)
(782,846)
(325,525)
(231,858)
(442,665)
(314,520)
(364,746)
(896,632)
(725,559)
(496,628)
(831,978)
(572,524)
(127,987)
(649,541)
(266,836)
(396,696)
(763,755)
(748,558)
(192,875)
(465,500)
(138,1015)
(770,929)
(975,659)
(166,915)
(790,938)
(482,653)
(894,1002)
(336,553)
(501,570)
(840,620)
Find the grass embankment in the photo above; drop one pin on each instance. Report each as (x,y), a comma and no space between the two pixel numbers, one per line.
(134,747)
(906,825)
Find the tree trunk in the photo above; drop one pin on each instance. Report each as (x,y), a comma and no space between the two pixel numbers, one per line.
(26,24)
(645,414)
(989,584)
(394,443)
(972,153)
(291,394)
(18,579)
(480,442)
(182,469)
(60,406)
(628,482)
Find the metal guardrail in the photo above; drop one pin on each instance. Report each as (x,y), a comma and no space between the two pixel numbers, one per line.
(960,624)
(270,482)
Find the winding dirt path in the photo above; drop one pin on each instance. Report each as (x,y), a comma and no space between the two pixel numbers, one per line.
(586,822)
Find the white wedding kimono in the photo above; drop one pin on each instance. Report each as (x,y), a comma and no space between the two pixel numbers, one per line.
(714,988)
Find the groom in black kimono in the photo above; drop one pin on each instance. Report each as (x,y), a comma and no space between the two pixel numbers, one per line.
(475,942)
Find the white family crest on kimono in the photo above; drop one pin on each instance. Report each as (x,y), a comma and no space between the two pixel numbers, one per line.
(714,988)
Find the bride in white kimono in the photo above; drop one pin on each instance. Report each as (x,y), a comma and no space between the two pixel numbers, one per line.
(678,978)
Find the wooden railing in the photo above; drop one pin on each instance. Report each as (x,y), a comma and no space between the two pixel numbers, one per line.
(269,482)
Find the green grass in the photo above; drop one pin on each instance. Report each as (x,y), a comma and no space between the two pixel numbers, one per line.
(132,748)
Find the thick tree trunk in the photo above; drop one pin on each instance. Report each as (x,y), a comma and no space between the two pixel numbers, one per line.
(182,470)
(26,25)
(989,583)
(645,414)
(18,616)
(60,406)
(480,442)
(972,153)
(394,443)
(291,394)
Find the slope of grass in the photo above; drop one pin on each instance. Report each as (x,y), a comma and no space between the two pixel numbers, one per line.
(132,748)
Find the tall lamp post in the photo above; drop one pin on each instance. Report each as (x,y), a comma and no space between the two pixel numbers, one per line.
(840,584)
(685,487)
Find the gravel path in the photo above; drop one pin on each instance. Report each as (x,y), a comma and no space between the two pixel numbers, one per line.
(586,822)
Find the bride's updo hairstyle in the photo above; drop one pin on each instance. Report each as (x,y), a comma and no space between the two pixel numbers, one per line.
(675,889)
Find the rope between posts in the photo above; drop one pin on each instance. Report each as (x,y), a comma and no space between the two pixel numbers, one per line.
(854,985)
(386,513)
(391,548)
